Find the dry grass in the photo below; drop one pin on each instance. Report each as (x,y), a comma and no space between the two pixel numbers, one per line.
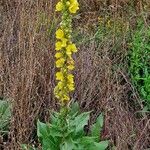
(27,73)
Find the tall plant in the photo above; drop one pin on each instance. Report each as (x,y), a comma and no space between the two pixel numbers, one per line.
(66,130)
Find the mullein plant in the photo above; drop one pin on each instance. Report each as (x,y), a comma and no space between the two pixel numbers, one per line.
(66,129)
(64,51)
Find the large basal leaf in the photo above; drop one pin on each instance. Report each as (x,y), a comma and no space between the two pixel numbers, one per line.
(45,130)
(74,109)
(55,131)
(80,121)
(47,141)
(42,130)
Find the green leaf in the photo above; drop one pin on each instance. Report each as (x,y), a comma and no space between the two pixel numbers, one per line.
(55,131)
(101,146)
(68,145)
(48,144)
(80,121)
(24,147)
(97,127)
(74,109)
(86,140)
(54,118)
(42,130)
(100,120)
(5,115)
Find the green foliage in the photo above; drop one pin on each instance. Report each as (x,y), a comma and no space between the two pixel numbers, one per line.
(5,114)
(66,131)
(140,61)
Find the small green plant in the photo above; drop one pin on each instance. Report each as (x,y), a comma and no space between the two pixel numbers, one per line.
(5,115)
(68,133)
(140,61)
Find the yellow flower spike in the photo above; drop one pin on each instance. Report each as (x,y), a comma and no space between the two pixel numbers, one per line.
(59,34)
(60,62)
(59,6)
(65,48)
(58,55)
(59,76)
(58,45)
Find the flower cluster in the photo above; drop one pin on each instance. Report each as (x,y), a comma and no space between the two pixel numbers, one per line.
(72,5)
(64,49)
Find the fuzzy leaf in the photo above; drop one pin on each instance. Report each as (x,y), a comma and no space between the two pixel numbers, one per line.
(42,129)
(80,121)
(74,108)
(97,127)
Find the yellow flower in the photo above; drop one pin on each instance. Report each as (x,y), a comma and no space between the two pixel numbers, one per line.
(60,62)
(74,6)
(58,55)
(59,34)
(59,6)
(59,76)
(60,85)
(58,45)
(71,48)
(58,94)
(70,78)
(66,98)
(71,87)
(67,3)
(68,52)
(70,67)
(64,42)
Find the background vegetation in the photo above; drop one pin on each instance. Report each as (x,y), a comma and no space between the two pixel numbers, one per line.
(107,32)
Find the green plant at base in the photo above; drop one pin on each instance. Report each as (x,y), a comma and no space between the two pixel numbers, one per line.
(5,115)
(68,133)
(140,62)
